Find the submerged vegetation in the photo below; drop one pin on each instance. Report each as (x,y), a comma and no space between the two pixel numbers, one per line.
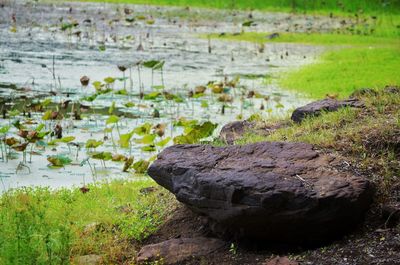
(44,126)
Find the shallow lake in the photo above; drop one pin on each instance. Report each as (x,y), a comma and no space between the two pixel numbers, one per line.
(45,49)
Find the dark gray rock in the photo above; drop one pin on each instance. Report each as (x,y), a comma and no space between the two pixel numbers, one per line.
(315,108)
(391,214)
(392,89)
(235,130)
(177,250)
(271,190)
(273,36)
(364,92)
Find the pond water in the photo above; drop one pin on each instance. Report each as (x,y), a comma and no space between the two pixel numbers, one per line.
(46,48)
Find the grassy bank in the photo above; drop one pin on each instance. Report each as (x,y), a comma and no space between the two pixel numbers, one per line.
(357,61)
(344,6)
(368,137)
(342,72)
(312,38)
(39,226)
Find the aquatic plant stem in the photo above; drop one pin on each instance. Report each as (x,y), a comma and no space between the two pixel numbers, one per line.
(123,76)
(140,82)
(92,170)
(2,152)
(30,154)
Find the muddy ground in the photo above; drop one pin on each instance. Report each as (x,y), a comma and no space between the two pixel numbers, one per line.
(371,243)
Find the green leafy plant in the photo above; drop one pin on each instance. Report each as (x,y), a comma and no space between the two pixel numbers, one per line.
(57,161)
(93,144)
(196,133)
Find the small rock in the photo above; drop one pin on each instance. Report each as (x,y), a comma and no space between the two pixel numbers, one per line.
(235,130)
(315,108)
(391,214)
(127,209)
(392,89)
(200,89)
(176,250)
(92,227)
(147,190)
(88,260)
(273,36)
(363,92)
(280,261)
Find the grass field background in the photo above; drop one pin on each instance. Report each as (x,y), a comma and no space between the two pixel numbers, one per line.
(344,6)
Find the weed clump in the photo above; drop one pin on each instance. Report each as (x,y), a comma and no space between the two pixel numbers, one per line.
(43,226)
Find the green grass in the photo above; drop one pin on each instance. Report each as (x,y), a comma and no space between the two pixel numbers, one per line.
(356,61)
(344,6)
(40,226)
(342,72)
(310,38)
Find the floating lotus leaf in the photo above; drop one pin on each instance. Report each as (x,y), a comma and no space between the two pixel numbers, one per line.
(197,133)
(67,139)
(143,129)
(112,119)
(106,156)
(248,23)
(92,143)
(141,166)
(164,142)
(4,129)
(147,139)
(124,139)
(59,160)
(148,148)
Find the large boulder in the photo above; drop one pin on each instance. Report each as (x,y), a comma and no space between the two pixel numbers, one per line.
(315,108)
(271,190)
